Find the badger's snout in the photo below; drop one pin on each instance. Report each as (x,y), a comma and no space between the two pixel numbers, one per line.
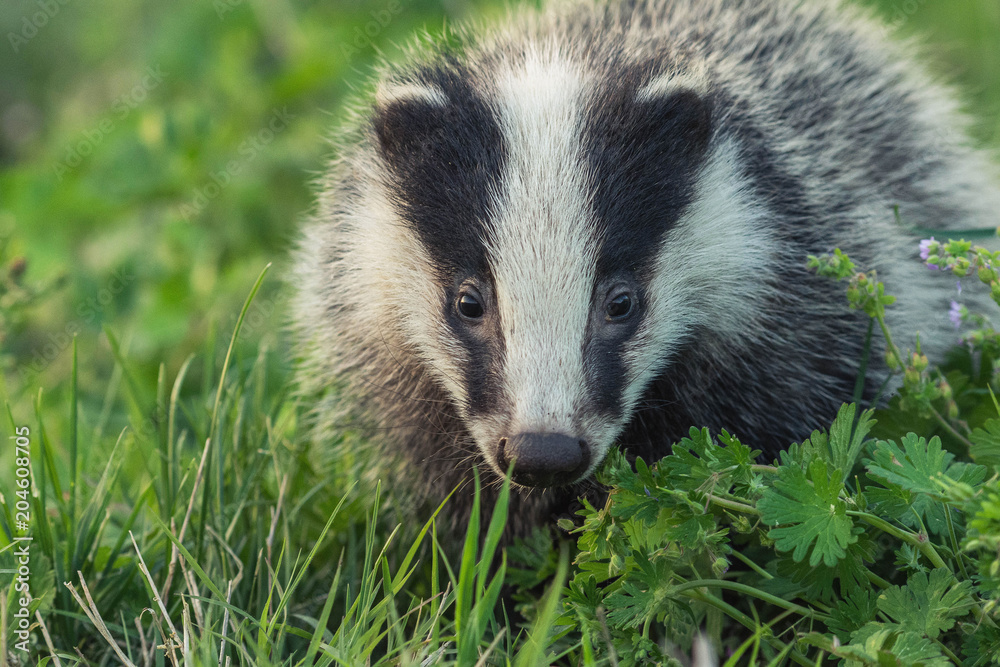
(544,459)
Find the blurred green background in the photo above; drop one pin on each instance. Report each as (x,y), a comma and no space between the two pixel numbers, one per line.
(154,156)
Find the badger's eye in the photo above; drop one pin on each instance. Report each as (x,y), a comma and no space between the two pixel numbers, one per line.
(469,306)
(619,307)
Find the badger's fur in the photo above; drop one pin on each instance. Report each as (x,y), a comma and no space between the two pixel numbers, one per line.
(588,227)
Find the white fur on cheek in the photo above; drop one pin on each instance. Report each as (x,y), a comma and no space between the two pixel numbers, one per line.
(411,307)
(710,270)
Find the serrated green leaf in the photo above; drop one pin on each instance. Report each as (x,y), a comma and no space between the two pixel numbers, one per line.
(967,473)
(985,448)
(918,465)
(982,647)
(914,510)
(912,466)
(927,606)
(808,514)
(699,463)
(630,605)
(816,446)
(642,595)
(918,509)
(886,644)
(853,613)
(866,643)
(912,649)
(825,584)
(694,460)
(846,439)
(909,558)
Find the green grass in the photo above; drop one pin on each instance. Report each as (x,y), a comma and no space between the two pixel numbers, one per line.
(123,279)
(245,548)
(227,548)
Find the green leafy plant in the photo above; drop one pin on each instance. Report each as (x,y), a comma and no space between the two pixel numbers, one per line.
(862,549)
(813,558)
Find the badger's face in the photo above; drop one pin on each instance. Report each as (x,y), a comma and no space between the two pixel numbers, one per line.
(549,246)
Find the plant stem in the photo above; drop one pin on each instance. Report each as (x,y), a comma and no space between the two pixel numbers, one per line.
(888,340)
(951,429)
(925,547)
(750,590)
(954,542)
(752,565)
(877,580)
(733,505)
(746,621)
(899,358)
(948,652)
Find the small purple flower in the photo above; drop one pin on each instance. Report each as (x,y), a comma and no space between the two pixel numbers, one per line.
(955,314)
(958,286)
(925,248)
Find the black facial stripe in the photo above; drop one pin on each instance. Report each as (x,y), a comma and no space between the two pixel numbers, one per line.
(484,342)
(445,161)
(604,361)
(644,157)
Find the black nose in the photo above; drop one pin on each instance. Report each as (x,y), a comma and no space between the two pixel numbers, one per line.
(544,459)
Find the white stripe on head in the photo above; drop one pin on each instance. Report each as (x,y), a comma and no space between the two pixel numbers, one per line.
(405,92)
(541,244)
(670,83)
(710,270)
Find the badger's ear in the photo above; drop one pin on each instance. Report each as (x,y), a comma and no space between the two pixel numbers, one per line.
(407,119)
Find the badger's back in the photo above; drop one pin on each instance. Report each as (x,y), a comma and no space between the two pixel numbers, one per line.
(588,226)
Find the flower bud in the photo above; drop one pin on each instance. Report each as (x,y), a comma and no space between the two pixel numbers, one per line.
(891,360)
(720,566)
(945,389)
(919,361)
(17,268)
(741,524)
(853,296)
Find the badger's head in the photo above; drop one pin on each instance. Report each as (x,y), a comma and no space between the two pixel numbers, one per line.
(546,240)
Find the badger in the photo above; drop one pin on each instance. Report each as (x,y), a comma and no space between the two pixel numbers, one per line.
(587,227)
